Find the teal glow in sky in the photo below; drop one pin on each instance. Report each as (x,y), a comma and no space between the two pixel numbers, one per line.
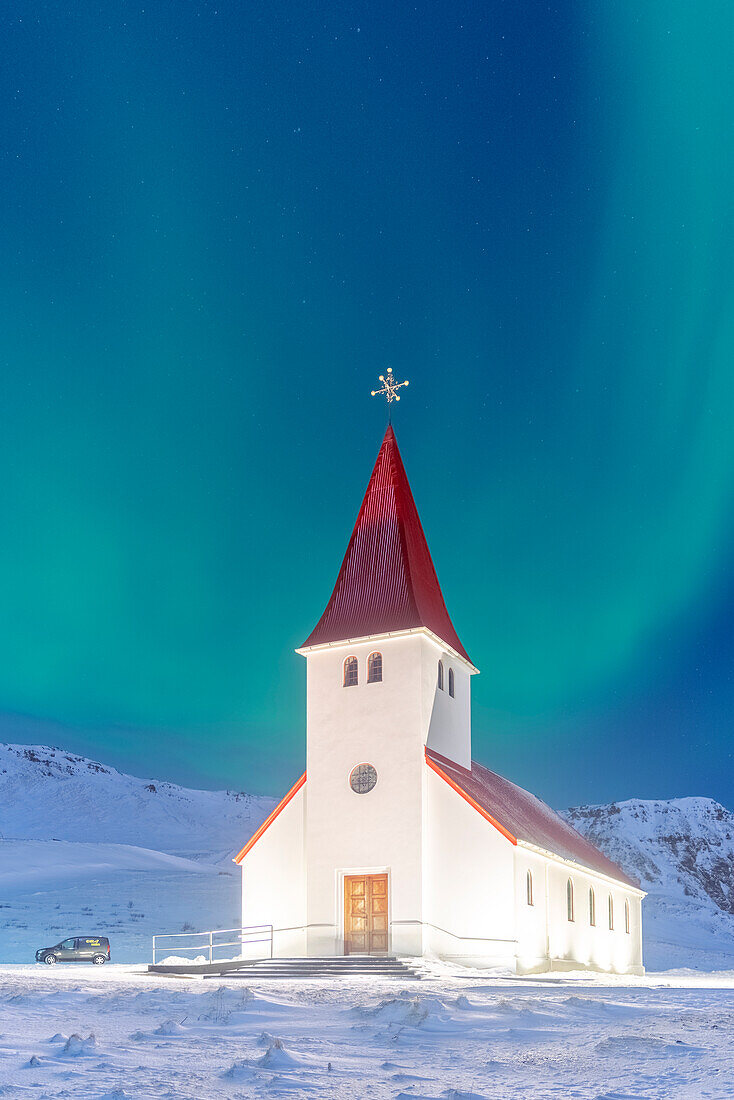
(220,223)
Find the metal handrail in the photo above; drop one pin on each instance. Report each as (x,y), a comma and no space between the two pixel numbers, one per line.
(210,944)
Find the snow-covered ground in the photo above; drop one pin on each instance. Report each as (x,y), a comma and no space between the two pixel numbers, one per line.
(115,1032)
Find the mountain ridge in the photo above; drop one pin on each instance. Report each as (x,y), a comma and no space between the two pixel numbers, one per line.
(65,793)
(681,850)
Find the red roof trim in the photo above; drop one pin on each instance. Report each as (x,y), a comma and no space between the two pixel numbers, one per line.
(269,820)
(467,798)
(527,818)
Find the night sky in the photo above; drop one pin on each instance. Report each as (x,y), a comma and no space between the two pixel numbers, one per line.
(220,222)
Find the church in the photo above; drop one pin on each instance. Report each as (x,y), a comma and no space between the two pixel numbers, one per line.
(394,841)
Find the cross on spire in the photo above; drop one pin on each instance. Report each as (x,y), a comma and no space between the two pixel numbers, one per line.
(390,389)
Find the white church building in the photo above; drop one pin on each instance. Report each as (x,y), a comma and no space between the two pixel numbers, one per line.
(395,841)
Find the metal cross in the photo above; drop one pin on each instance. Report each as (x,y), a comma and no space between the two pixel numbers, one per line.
(390,388)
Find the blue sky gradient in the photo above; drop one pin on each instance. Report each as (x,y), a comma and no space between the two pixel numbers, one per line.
(221,222)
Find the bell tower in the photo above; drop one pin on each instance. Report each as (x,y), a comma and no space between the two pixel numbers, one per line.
(387,589)
(387,677)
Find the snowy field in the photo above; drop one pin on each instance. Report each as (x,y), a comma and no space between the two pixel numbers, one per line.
(115,1032)
(144,892)
(87,850)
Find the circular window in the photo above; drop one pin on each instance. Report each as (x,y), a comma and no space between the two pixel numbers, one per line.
(362,778)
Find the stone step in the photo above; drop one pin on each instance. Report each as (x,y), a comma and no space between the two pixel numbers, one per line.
(326,969)
(331,969)
(337,963)
(335,966)
(297,975)
(320,970)
(338,960)
(384,966)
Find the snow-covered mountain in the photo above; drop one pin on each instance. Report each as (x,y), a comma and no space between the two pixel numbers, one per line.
(87,849)
(47,793)
(682,852)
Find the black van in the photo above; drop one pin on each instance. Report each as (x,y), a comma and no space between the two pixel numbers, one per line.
(94,949)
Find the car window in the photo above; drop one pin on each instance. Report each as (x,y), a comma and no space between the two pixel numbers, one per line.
(68,945)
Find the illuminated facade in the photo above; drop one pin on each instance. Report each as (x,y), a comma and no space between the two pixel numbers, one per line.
(394,841)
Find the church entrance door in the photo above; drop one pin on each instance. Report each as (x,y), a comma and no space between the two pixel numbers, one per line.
(365,915)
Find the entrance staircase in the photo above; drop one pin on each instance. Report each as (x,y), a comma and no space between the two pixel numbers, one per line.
(331,966)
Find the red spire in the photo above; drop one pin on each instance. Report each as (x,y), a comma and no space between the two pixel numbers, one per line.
(387,580)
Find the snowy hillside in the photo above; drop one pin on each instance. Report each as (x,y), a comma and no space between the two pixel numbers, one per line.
(682,852)
(47,793)
(86,849)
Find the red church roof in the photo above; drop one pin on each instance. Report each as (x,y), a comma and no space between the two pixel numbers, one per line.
(387,580)
(519,815)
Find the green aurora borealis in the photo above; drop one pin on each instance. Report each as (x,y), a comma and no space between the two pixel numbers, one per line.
(221,222)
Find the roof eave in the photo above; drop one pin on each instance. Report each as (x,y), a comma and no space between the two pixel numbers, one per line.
(584,867)
(423,630)
(270,819)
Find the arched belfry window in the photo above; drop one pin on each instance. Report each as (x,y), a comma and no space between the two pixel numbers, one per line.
(529,887)
(569,899)
(374,668)
(592,907)
(351,672)
(611,913)
(440,675)
(451,682)
(626,915)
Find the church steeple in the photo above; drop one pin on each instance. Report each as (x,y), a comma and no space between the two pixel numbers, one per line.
(387,581)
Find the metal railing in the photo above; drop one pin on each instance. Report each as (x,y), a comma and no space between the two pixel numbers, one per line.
(208,942)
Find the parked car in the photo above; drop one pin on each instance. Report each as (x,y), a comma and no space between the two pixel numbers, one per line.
(94,949)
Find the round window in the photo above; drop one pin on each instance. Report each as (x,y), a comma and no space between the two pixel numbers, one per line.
(362,778)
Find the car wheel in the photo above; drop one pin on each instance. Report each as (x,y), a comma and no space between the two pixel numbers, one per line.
(50,959)
(99,960)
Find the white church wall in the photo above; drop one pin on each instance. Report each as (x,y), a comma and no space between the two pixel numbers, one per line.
(274,881)
(348,833)
(446,720)
(469,902)
(579,943)
(532,919)
(636,956)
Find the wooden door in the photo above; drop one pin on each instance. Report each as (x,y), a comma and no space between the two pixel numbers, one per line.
(365,914)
